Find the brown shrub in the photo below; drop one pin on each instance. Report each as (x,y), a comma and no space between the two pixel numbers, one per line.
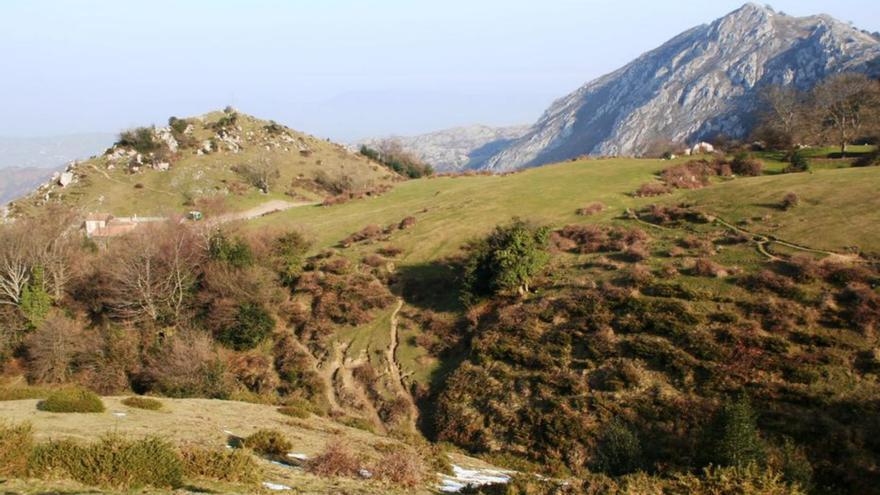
(803,267)
(862,306)
(789,201)
(186,365)
(255,371)
(703,246)
(747,166)
(768,280)
(401,466)
(691,175)
(337,459)
(374,260)
(591,209)
(705,267)
(650,189)
(368,233)
(662,215)
(636,252)
(406,223)
(390,251)
(56,350)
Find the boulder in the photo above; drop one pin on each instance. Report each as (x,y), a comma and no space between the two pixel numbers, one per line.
(65,179)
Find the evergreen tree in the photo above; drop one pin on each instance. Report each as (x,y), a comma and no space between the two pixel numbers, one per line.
(35,300)
(505,261)
(734,439)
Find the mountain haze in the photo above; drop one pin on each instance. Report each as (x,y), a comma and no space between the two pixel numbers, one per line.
(457,148)
(702,83)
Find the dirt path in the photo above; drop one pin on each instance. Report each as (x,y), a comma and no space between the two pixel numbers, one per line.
(763,241)
(267,208)
(394,366)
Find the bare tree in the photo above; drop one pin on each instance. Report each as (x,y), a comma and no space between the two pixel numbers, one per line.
(151,273)
(846,105)
(16,257)
(785,111)
(54,350)
(259,174)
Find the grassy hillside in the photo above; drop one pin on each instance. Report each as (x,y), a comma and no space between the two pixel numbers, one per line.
(652,315)
(197,178)
(452,210)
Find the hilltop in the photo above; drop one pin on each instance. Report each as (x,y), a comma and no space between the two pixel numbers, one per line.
(219,162)
(703,83)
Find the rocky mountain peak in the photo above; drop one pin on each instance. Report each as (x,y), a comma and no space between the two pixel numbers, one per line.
(702,83)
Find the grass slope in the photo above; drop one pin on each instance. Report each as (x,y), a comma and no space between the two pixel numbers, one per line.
(147,192)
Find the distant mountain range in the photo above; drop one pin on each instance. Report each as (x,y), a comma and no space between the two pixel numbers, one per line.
(28,162)
(457,148)
(700,84)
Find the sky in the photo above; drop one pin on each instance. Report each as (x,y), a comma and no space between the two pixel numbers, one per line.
(342,69)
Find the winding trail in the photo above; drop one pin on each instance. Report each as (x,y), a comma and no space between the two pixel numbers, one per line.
(394,366)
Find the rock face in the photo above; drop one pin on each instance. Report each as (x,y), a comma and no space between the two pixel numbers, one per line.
(458,148)
(702,83)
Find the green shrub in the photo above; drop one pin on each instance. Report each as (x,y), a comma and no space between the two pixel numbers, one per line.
(734,439)
(16,442)
(35,301)
(142,403)
(505,261)
(72,400)
(142,140)
(234,252)
(252,325)
(294,412)
(268,442)
(22,393)
(798,162)
(235,466)
(618,450)
(113,461)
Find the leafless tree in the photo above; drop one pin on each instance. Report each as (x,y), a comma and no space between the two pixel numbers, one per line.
(151,272)
(846,105)
(16,258)
(259,174)
(54,349)
(786,112)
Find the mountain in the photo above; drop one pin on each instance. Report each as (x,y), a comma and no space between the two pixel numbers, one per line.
(702,83)
(457,148)
(28,161)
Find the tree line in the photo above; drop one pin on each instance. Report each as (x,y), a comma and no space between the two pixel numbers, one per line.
(842,110)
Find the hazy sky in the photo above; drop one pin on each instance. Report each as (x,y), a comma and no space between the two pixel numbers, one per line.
(336,68)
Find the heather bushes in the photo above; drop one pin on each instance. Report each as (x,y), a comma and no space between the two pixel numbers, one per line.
(72,400)
(113,462)
(651,189)
(142,403)
(16,442)
(268,442)
(235,466)
(337,459)
(591,209)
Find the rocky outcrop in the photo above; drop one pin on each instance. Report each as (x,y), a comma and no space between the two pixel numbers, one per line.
(702,83)
(458,148)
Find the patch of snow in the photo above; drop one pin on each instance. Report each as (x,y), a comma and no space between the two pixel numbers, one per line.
(462,478)
(275,486)
(120,414)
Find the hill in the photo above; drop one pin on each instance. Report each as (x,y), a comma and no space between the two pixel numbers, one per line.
(458,148)
(656,324)
(222,161)
(702,83)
